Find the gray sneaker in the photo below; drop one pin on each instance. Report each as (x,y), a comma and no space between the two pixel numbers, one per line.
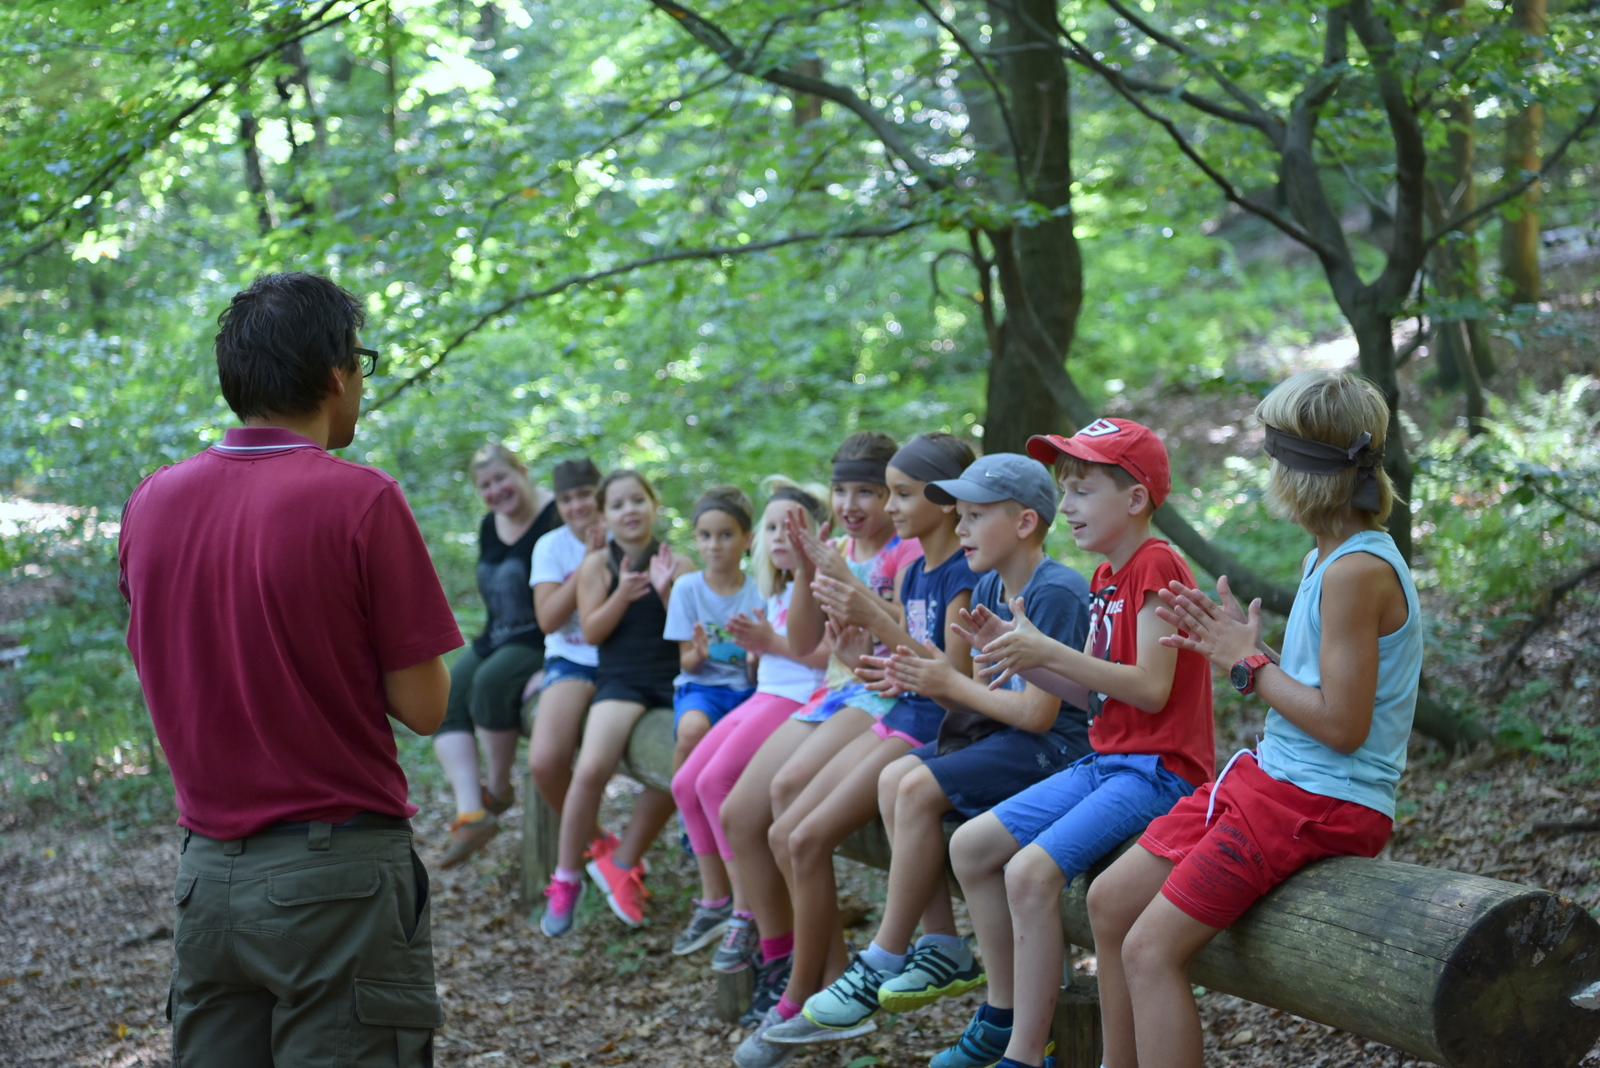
(741,947)
(756,1052)
(704,928)
(801,1030)
(771,979)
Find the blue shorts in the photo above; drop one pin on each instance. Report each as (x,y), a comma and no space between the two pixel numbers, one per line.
(852,695)
(991,769)
(714,701)
(1085,811)
(916,716)
(558,668)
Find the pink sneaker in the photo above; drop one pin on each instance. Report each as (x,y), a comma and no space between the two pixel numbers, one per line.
(624,888)
(562,908)
(603,846)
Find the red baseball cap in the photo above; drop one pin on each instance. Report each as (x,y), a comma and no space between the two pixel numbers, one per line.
(1122,443)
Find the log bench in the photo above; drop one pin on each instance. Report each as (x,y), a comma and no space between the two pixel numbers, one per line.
(1457,969)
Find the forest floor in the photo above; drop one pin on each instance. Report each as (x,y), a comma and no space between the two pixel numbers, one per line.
(86,912)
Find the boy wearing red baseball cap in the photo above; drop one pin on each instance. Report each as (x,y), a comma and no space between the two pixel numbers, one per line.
(1150,726)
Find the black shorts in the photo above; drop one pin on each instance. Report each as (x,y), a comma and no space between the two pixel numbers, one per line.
(988,771)
(647,693)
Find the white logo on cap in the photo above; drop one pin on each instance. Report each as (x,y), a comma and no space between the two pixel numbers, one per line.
(991,474)
(1098,429)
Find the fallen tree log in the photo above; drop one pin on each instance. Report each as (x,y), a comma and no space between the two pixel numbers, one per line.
(1457,969)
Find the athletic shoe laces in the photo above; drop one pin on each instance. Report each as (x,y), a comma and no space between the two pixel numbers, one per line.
(563,895)
(859,983)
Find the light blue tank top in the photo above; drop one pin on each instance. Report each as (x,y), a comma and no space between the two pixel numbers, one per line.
(1367,776)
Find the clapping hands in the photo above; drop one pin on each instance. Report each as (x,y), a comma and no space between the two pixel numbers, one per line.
(1020,647)
(752,631)
(662,566)
(1222,633)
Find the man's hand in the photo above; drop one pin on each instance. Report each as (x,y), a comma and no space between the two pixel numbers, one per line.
(929,676)
(1023,648)
(752,632)
(1221,633)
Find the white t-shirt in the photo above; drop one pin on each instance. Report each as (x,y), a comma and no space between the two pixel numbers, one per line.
(778,675)
(556,557)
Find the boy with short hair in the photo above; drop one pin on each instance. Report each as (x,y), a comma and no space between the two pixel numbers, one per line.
(1011,735)
(1151,729)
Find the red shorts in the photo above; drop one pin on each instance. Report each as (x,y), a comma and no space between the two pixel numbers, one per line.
(1262,831)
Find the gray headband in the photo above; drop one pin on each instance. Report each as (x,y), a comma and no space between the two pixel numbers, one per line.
(722,504)
(922,459)
(859,471)
(575,474)
(803,499)
(1321,458)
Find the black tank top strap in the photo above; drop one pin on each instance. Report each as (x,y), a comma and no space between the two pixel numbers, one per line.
(615,555)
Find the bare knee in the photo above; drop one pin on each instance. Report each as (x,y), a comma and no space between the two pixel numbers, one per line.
(809,845)
(1112,911)
(548,766)
(972,853)
(920,792)
(1145,957)
(689,734)
(787,784)
(1033,882)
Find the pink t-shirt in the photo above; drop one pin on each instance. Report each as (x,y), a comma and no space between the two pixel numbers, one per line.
(271,585)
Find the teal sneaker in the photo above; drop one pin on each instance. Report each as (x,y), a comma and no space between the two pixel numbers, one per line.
(933,972)
(981,1045)
(844,1010)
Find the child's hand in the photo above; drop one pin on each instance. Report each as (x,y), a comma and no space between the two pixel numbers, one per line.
(981,626)
(850,643)
(818,556)
(848,602)
(702,642)
(874,671)
(632,585)
(752,632)
(1023,648)
(1220,633)
(929,676)
(662,565)
(594,539)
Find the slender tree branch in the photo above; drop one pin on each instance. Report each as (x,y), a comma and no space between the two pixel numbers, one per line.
(712,36)
(1525,183)
(994,86)
(679,256)
(1261,118)
(1541,618)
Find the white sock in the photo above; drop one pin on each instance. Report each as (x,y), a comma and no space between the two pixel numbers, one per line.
(881,960)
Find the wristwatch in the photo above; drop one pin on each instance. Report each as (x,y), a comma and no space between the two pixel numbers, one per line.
(1243,674)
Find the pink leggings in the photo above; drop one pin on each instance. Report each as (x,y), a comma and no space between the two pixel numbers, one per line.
(707,777)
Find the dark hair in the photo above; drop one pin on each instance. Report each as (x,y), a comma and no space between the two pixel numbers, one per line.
(617,476)
(575,474)
(730,500)
(871,445)
(280,338)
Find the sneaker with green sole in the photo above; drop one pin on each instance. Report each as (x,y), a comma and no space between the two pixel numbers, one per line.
(933,972)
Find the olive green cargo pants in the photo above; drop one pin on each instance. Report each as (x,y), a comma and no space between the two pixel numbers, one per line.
(306,949)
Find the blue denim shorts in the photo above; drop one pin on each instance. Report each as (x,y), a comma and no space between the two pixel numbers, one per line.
(1087,809)
(993,768)
(714,701)
(557,668)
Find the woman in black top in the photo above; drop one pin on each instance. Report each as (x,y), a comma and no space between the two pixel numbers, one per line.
(487,678)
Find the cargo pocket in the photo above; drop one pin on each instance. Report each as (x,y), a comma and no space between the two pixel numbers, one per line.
(325,882)
(183,887)
(411,1009)
(416,924)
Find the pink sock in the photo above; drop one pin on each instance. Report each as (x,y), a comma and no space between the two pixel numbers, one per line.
(773,948)
(787,1009)
(708,903)
(567,875)
(741,914)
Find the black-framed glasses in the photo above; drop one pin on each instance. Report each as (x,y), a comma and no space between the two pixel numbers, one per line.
(369,361)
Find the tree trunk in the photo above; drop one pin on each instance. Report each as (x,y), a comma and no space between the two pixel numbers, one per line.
(1043,282)
(1374,330)
(391,104)
(254,180)
(1519,233)
(1455,259)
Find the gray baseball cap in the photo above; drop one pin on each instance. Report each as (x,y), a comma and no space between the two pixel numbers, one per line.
(1000,476)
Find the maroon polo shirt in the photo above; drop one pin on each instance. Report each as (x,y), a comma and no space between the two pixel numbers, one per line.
(271,585)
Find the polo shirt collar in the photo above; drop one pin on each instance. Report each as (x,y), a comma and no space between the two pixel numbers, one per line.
(244,440)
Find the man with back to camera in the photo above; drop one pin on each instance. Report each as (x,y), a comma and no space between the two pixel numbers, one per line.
(282,605)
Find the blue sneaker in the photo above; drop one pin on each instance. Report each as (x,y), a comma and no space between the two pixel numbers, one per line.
(981,1045)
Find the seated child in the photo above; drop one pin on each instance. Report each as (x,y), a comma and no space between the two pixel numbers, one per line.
(1151,731)
(843,797)
(1014,736)
(783,683)
(1342,698)
(623,593)
(569,661)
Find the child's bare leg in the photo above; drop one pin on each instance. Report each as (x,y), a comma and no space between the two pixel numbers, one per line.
(692,726)
(1155,958)
(916,867)
(978,852)
(819,747)
(823,783)
(889,788)
(605,738)
(651,811)
(556,729)
(500,752)
(849,806)
(746,816)
(1116,900)
(1033,883)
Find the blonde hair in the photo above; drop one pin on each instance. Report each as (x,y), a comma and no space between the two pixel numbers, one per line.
(770,579)
(496,453)
(1335,407)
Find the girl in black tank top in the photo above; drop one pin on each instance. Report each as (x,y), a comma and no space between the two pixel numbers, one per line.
(622,607)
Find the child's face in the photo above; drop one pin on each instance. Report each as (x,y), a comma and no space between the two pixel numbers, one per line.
(1098,512)
(913,515)
(629,511)
(719,540)
(860,507)
(577,508)
(775,530)
(989,533)
(502,489)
